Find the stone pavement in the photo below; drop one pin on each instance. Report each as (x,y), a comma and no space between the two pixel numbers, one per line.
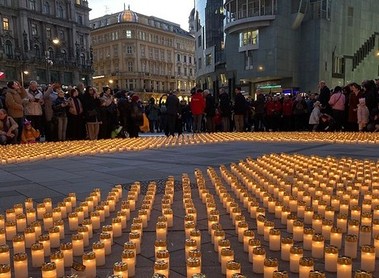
(58,177)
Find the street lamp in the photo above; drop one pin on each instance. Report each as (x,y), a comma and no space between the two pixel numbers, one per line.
(25,72)
(49,61)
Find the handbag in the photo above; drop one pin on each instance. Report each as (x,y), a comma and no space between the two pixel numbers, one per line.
(145,127)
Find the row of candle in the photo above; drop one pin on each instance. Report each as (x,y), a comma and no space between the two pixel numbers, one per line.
(365,248)
(49,150)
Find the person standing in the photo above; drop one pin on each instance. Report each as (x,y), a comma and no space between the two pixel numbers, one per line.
(354,97)
(60,106)
(33,106)
(173,112)
(49,97)
(240,109)
(8,128)
(210,111)
(225,107)
(337,103)
(324,98)
(14,99)
(91,104)
(197,109)
(75,126)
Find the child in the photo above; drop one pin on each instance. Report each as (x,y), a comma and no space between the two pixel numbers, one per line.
(314,118)
(29,134)
(363,114)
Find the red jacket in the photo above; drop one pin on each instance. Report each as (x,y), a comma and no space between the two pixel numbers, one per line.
(197,104)
(287,107)
(273,107)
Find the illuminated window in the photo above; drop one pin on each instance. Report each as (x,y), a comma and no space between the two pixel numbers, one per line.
(34,29)
(208,59)
(5,24)
(249,38)
(128,34)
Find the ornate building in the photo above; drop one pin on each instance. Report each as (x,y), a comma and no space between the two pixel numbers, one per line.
(45,40)
(142,53)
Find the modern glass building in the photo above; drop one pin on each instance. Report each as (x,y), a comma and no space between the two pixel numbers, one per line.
(274,45)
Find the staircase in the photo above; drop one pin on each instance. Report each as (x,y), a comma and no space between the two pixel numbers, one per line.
(364,50)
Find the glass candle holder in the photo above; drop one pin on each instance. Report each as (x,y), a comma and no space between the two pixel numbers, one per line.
(227,254)
(129,257)
(295,254)
(342,222)
(232,267)
(18,244)
(368,258)
(77,244)
(106,238)
(222,243)
(54,235)
(353,227)
(5,271)
(45,240)
(20,262)
(331,257)
(136,238)
(95,218)
(365,235)
(344,267)
(89,261)
(99,249)
(259,256)
(161,267)
(48,204)
(274,240)
(298,230)
(351,246)
(58,258)
(73,221)
(10,230)
(362,274)
(286,244)
(49,270)
(270,266)
(4,254)
(318,242)
(67,250)
(10,214)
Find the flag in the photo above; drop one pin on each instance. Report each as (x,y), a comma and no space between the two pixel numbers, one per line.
(2,75)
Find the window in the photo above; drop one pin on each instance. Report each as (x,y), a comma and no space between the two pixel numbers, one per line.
(34,29)
(61,35)
(48,32)
(178,57)
(150,53)
(64,55)
(249,60)
(156,54)
(129,50)
(80,19)
(208,59)
(60,11)
(199,63)
(249,38)
(190,72)
(143,51)
(179,71)
(77,2)
(82,59)
(162,55)
(50,53)
(81,39)
(9,49)
(46,8)
(190,59)
(32,5)
(114,36)
(37,51)
(5,24)
(169,55)
(185,59)
(128,34)
(130,66)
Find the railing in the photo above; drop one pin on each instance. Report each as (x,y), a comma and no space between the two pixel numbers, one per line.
(366,48)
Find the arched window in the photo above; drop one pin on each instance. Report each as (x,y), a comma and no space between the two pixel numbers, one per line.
(46,8)
(50,53)
(37,51)
(60,11)
(32,5)
(64,55)
(82,59)
(9,49)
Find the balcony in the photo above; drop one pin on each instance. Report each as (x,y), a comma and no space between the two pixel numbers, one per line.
(247,14)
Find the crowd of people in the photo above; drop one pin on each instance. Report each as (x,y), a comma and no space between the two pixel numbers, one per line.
(33,114)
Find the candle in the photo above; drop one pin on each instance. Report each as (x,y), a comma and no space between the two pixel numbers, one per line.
(54,235)
(99,249)
(270,266)
(342,222)
(161,230)
(37,252)
(10,229)
(20,262)
(196,235)
(123,216)
(2,221)
(67,202)
(286,244)
(170,216)
(193,267)
(331,257)
(260,224)
(30,236)
(368,258)
(247,235)
(355,213)
(62,207)
(376,245)
(351,246)
(143,214)
(136,238)
(108,229)
(298,230)
(18,244)
(68,255)
(4,254)
(242,226)
(295,254)
(232,267)
(89,261)
(290,219)
(72,197)
(60,225)
(84,206)
(58,258)
(37,228)
(159,244)
(49,270)
(80,213)
(77,244)
(317,223)
(28,203)
(20,222)
(308,215)
(41,210)
(365,235)
(106,238)
(73,221)
(10,214)
(161,267)
(318,241)
(222,243)
(285,212)
(353,227)
(227,254)
(366,219)
(95,218)
(163,255)
(274,240)
(2,236)
(306,265)
(83,230)
(259,255)
(45,240)
(190,244)
(336,237)
(48,204)
(57,213)
(5,271)
(121,269)
(129,258)
(218,235)
(278,209)
(344,267)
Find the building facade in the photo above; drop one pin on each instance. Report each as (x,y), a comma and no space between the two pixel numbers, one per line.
(143,54)
(45,40)
(276,46)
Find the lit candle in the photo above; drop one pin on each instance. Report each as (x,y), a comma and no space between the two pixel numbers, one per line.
(366,219)
(232,267)
(129,258)
(308,215)
(278,209)
(222,243)
(259,256)
(295,254)
(68,255)
(217,236)
(193,267)
(30,236)
(298,230)
(260,224)
(106,238)
(41,210)
(48,221)
(144,215)
(77,244)
(10,229)
(342,222)
(353,227)
(317,223)
(344,267)
(18,244)
(355,213)
(89,261)
(37,228)
(58,258)
(318,242)
(2,236)
(376,245)
(95,218)
(10,214)
(4,254)
(67,202)
(196,235)
(365,235)
(122,215)
(368,258)
(170,217)
(80,213)
(227,254)
(2,221)
(161,230)
(45,240)
(161,267)
(62,207)
(336,237)
(54,235)
(285,212)
(329,213)
(306,265)
(37,252)
(84,206)
(5,271)
(83,230)
(331,257)
(120,269)
(159,244)
(72,197)
(49,270)
(270,266)
(286,244)
(116,227)
(101,210)
(351,246)
(20,222)
(99,249)
(243,226)
(274,240)
(247,235)
(136,238)
(20,262)
(28,203)
(190,244)
(57,214)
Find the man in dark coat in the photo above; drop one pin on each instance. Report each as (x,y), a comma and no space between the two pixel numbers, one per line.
(173,112)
